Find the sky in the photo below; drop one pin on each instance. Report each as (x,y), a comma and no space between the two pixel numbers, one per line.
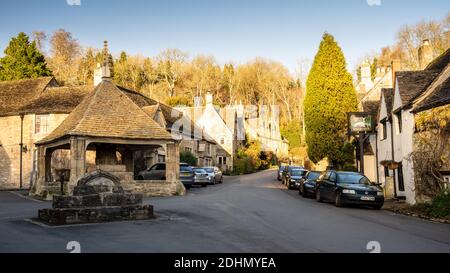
(237,31)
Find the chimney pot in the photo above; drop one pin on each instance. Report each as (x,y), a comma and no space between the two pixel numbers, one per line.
(425,54)
(209,98)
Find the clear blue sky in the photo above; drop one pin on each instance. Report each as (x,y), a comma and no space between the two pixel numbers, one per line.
(231,30)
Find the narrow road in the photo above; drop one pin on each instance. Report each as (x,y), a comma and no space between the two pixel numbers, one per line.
(251,213)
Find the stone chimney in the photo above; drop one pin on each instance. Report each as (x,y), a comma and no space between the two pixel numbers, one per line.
(366,77)
(395,66)
(209,98)
(197,101)
(104,70)
(425,54)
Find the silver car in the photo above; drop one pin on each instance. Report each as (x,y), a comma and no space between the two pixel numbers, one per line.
(214,174)
(200,177)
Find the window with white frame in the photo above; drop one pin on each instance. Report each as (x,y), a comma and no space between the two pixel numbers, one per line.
(41,124)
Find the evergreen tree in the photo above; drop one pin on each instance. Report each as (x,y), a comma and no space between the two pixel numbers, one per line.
(330,95)
(22,60)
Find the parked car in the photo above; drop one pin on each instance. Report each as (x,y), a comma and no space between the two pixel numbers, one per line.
(283,168)
(186,175)
(294,176)
(308,184)
(158,172)
(286,170)
(214,174)
(280,172)
(348,188)
(201,177)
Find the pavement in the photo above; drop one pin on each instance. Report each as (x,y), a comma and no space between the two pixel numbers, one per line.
(249,213)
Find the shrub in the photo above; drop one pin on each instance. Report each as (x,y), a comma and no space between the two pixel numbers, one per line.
(188,157)
(440,206)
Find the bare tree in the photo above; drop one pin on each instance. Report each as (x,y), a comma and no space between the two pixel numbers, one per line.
(64,58)
(40,37)
(171,64)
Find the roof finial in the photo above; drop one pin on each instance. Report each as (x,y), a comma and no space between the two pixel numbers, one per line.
(107,64)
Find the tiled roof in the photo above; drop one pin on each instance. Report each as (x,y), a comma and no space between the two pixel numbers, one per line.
(371,107)
(151,110)
(440,62)
(438,97)
(388,94)
(170,115)
(108,112)
(16,94)
(412,83)
(57,100)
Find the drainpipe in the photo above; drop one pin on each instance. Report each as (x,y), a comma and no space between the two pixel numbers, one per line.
(21,150)
(392,151)
(376,158)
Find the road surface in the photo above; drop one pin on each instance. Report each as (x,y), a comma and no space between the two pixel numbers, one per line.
(250,213)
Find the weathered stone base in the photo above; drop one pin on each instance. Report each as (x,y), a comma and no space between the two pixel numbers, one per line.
(150,188)
(65,216)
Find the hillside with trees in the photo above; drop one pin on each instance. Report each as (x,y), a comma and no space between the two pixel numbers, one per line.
(172,76)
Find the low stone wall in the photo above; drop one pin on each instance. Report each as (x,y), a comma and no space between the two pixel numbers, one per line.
(157,188)
(147,188)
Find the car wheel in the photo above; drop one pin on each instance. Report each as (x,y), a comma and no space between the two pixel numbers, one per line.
(304,193)
(187,187)
(338,200)
(140,177)
(318,196)
(203,185)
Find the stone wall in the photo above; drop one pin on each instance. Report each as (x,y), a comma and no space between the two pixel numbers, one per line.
(10,149)
(156,188)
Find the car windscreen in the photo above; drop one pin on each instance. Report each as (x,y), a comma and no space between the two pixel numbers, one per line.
(353,178)
(298,172)
(209,170)
(199,170)
(313,175)
(185,169)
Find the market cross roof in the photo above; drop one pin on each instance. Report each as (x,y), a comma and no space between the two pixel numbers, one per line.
(108,112)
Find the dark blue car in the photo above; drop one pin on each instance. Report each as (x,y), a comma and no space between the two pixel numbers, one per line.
(308,184)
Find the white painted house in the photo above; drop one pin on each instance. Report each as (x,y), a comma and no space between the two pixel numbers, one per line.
(396,121)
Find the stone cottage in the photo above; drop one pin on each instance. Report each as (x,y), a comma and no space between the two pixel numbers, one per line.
(413,93)
(229,126)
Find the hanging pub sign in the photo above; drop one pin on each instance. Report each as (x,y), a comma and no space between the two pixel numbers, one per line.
(360,122)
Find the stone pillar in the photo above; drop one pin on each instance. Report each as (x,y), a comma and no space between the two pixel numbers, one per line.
(173,168)
(77,161)
(39,185)
(173,162)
